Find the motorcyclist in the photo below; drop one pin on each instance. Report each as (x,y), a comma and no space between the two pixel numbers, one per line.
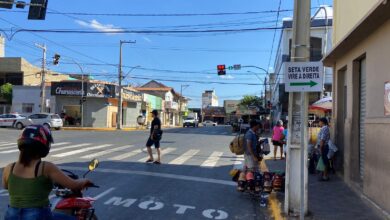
(30,180)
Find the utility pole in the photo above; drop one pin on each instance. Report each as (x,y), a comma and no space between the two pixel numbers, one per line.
(296,172)
(119,115)
(43,77)
(181,100)
(265,93)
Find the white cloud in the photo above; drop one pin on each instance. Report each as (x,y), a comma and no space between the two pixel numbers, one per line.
(94,24)
(227,77)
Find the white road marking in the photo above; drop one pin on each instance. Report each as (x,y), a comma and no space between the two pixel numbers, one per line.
(81,150)
(7,144)
(163,151)
(51,150)
(104,193)
(69,147)
(164,175)
(126,155)
(184,157)
(212,160)
(238,163)
(59,144)
(5,148)
(106,152)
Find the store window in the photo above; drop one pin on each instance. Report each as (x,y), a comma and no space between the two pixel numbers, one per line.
(27,107)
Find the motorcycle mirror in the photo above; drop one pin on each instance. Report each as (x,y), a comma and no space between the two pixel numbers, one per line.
(93,164)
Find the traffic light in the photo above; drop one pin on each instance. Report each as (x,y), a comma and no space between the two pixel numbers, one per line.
(221,69)
(7,4)
(56,59)
(37,10)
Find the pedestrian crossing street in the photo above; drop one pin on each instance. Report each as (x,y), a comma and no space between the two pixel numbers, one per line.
(132,153)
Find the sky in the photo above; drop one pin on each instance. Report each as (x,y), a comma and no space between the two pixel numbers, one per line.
(175,59)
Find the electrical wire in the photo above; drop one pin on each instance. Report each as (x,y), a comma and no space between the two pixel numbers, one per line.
(273,39)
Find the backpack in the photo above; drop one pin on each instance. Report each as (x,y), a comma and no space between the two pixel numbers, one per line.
(237,145)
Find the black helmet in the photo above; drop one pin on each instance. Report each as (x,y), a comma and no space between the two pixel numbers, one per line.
(37,137)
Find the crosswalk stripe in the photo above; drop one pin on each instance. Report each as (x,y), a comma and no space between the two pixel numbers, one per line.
(212,159)
(17,150)
(81,150)
(184,157)
(106,152)
(5,148)
(7,144)
(163,151)
(238,163)
(69,147)
(59,144)
(126,155)
(9,151)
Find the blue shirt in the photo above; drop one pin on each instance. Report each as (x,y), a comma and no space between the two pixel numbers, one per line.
(250,136)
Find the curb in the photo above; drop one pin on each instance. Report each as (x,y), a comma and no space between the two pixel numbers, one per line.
(108,129)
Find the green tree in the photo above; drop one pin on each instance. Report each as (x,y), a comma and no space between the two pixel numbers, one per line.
(6,92)
(251,100)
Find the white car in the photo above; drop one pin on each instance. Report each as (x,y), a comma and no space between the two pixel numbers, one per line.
(48,120)
(14,120)
(209,123)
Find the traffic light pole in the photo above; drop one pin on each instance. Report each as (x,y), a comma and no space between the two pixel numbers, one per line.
(43,77)
(296,190)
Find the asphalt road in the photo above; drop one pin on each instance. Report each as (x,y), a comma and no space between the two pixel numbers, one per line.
(192,182)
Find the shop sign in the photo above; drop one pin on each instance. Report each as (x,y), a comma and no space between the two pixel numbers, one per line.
(101,90)
(66,88)
(131,95)
(387,98)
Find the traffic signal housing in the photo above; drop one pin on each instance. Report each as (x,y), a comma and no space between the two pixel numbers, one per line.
(221,69)
(37,10)
(56,59)
(7,4)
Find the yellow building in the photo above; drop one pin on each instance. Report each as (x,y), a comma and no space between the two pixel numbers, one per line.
(361,112)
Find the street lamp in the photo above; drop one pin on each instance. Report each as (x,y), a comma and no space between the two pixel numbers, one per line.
(265,86)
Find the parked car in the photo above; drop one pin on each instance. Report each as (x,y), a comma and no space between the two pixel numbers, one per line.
(209,123)
(190,121)
(14,120)
(48,120)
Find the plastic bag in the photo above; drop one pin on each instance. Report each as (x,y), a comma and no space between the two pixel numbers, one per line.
(266,147)
(320,165)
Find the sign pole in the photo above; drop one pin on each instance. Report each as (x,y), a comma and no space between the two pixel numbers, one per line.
(296,172)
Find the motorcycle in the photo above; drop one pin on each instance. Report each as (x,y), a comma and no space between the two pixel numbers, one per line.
(70,203)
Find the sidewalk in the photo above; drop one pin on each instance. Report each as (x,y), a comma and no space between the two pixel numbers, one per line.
(327,200)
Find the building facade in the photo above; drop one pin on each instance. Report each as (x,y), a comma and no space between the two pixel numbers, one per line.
(209,98)
(320,43)
(361,110)
(99,109)
(171,102)
(231,107)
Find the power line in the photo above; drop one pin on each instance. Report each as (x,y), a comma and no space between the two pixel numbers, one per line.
(273,40)
(52,11)
(127,31)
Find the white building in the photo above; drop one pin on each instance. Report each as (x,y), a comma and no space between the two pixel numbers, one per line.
(30,104)
(209,98)
(320,44)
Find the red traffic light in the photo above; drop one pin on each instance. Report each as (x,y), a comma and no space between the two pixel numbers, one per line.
(221,67)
